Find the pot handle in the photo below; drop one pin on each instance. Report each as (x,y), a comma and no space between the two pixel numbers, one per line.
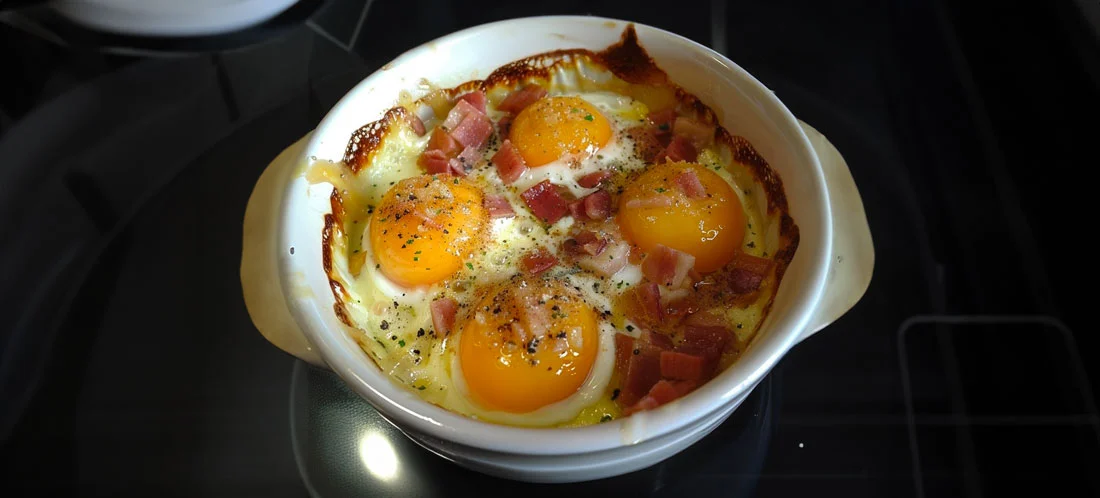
(853,259)
(260,276)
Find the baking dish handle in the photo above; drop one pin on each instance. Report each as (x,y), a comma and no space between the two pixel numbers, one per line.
(853,259)
(260,280)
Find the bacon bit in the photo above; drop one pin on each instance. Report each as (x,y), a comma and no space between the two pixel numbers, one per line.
(545,201)
(458,114)
(681,366)
(748,272)
(624,349)
(597,205)
(538,261)
(586,242)
(650,201)
(434,162)
(705,341)
(520,99)
(509,163)
(498,206)
(681,307)
(663,119)
(657,341)
(647,296)
(667,266)
(476,98)
(643,371)
(593,180)
(689,182)
(415,123)
(680,149)
(636,255)
(473,130)
(746,261)
(646,142)
(609,262)
(443,315)
(663,392)
(646,403)
(700,134)
(504,126)
(705,320)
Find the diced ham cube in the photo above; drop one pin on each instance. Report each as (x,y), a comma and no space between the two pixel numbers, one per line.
(509,163)
(415,123)
(443,142)
(443,315)
(576,210)
(689,183)
(663,119)
(537,261)
(464,163)
(609,262)
(475,98)
(667,266)
(681,366)
(593,180)
(498,206)
(520,99)
(434,162)
(545,201)
(597,205)
(458,113)
(680,149)
(473,130)
(700,134)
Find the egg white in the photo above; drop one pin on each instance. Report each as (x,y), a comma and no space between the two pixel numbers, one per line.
(390,318)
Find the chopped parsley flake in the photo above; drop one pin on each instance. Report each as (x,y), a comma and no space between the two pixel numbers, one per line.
(470,266)
(401,343)
(588,118)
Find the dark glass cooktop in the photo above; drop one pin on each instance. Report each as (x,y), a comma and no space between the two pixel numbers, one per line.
(129,366)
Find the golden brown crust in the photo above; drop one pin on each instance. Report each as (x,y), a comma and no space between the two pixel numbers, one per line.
(629,61)
(366,140)
(333,222)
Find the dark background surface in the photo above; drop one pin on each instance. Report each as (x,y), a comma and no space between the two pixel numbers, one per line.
(130,366)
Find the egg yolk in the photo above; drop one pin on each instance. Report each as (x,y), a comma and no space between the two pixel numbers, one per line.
(653,210)
(425,228)
(529,344)
(553,127)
